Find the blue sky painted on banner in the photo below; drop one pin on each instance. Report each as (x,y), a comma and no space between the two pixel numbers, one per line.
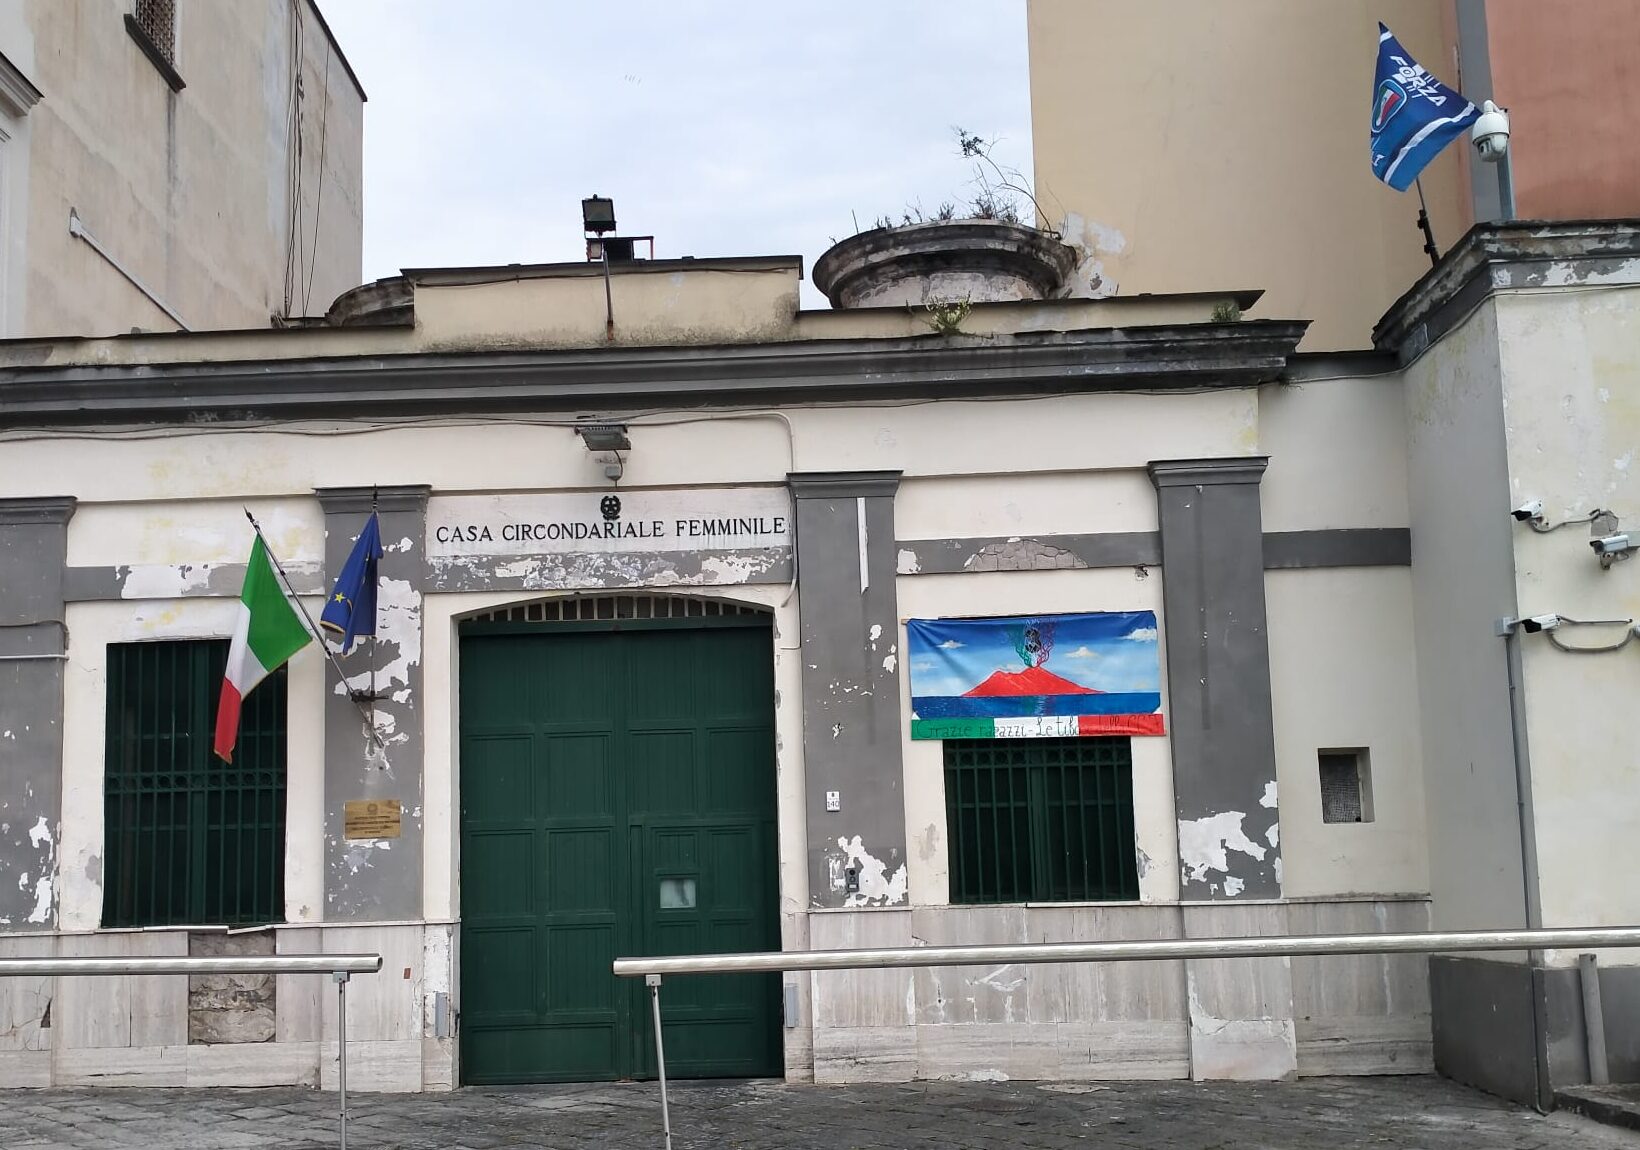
(1113,652)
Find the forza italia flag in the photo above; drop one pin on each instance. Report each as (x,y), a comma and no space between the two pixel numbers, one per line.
(265,635)
(1414,115)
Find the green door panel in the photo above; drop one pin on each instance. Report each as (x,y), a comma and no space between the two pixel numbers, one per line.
(617,797)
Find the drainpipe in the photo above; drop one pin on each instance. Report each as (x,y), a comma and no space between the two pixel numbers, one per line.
(1528,853)
(78,230)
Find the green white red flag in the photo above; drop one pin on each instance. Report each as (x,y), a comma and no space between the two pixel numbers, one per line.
(265,635)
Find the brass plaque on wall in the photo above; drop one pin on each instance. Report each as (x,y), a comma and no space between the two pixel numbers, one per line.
(370,819)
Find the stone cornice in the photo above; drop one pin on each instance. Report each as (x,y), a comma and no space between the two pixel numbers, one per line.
(1208,472)
(49,509)
(1221,355)
(1496,256)
(843,484)
(17,92)
(410,497)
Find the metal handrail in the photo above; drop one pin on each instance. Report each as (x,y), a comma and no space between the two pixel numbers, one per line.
(227,964)
(1278,946)
(1274,946)
(340,967)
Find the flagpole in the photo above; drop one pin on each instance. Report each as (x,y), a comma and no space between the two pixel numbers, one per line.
(1423,226)
(318,636)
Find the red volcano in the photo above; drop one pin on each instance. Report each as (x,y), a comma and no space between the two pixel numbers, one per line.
(1031,681)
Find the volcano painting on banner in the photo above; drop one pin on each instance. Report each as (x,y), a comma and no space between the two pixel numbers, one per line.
(1043,676)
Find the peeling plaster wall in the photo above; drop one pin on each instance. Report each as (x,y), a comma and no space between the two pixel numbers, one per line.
(177,534)
(852,718)
(32,636)
(1570,361)
(932,596)
(377,879)
(1224,771)
(1342,676)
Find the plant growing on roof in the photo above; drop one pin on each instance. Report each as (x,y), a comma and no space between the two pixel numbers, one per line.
(997,194)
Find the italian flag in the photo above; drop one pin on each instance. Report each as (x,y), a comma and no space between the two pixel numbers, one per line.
(265,635)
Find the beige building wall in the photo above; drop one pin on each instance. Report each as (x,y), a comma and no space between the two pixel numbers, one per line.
(1188,144)
(190,191)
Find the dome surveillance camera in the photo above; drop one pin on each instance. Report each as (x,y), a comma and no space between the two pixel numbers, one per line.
(1490,134)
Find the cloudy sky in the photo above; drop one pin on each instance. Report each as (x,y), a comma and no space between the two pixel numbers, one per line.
(722,127)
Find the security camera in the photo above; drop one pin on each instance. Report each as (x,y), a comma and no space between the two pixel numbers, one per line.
(1531,509)
(1491,133)
(1539,623)
(1611,548)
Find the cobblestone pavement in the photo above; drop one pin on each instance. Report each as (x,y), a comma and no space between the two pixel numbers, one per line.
(1335,1114)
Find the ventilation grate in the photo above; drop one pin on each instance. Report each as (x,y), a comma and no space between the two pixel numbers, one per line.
(614,607)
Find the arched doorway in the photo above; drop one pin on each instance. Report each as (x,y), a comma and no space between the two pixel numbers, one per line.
(617,797)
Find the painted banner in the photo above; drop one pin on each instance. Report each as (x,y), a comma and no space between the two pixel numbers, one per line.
(1037,677)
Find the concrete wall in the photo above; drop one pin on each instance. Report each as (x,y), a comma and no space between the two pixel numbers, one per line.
(1568,360)
(1194,143)
(187,189)
(1462,583)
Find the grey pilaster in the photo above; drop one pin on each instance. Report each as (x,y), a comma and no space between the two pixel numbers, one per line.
(377,879)
(1218,675)
(33,641)
(851,692)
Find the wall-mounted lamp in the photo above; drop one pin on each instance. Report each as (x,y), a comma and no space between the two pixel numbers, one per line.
(605,437)
(610,437)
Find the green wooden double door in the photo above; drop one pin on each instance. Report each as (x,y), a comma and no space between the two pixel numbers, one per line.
(617,798)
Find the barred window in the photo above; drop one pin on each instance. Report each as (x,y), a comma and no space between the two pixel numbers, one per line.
(1346,786)
(190,839)
(158,21)
(1040,820)
(153,25)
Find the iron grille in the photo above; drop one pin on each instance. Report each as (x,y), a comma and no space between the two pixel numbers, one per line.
(568,610)
(1040,820)
(157,20)
(190,839)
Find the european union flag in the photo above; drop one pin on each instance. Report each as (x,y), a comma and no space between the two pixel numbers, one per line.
(351,609)
(1414,115)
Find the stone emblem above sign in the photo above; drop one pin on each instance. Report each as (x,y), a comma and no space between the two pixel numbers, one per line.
(594,539)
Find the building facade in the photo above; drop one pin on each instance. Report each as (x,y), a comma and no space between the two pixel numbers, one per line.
(172,164)
(694,730)
(1193,145)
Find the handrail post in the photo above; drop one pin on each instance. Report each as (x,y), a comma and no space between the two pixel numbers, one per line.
(653,981)
(341,977)
(1594,1020)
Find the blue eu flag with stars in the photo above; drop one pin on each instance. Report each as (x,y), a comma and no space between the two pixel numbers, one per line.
(351,609)
(1414,115)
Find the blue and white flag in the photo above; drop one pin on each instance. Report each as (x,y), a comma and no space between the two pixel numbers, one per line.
(351,609)
(1414,115)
